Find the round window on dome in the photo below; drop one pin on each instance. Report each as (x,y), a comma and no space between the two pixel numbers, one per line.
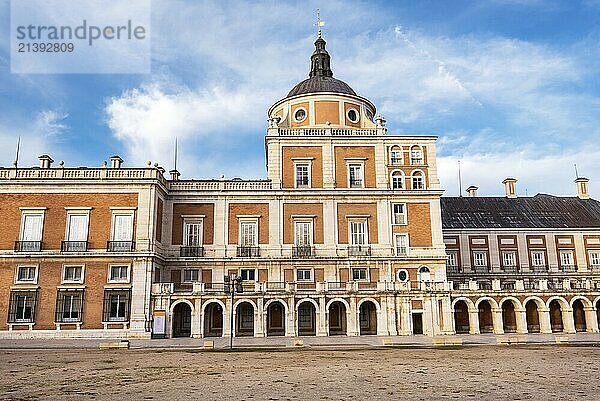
(300,115)
(352,115)
(402,276)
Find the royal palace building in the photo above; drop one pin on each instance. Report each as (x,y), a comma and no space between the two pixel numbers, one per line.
(348,235)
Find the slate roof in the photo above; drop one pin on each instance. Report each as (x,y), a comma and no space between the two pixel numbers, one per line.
(539,211)
(321,84)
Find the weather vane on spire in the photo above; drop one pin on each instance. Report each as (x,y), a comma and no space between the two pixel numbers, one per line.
(319,23)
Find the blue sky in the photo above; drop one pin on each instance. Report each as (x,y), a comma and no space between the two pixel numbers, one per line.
(512,87)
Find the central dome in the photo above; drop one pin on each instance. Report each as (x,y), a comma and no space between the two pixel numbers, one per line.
(321,84)
(321,77)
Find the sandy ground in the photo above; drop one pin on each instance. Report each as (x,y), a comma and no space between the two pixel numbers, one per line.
(473,373)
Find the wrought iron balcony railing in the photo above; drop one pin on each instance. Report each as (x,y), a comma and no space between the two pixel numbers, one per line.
(303,251)
(248,251)
(120,246)
(359,250)
(74,246)
(28,246)
(191,251)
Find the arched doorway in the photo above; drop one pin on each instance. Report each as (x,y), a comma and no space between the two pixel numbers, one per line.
(486,321)
(509,318)
(244,326)
(368,318)
(533,317)
(213,320)
(461,317)
(337,319)
(275,319)
(579,316)
(307,319)
(556,320)
(182,320)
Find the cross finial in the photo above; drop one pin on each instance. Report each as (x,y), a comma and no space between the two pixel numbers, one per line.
(319,23)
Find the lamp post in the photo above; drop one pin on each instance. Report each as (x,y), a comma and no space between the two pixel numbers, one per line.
(232,285)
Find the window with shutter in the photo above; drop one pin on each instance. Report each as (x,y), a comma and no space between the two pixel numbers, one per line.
(32,227)
(78,227)
(122,227)
(303,233)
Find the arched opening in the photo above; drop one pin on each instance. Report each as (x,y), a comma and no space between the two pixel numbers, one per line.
(486,321)
(307,319)
(461,317)
(244,326)
(182,320)
(556,320)
(368,318)
(424,274)
(579,316)
(213,320)
(509,318)
(337,319)
(275,319)
(532,316)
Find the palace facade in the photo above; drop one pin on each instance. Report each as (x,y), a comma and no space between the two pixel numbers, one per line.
(348,235)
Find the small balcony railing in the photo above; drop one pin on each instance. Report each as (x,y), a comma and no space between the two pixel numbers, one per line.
(336,286)
(120,246)
(510,269)
(481,269)
(539,269)
(568,268)
(359,250)
(74,246)
(508,285)
(191,251)
(275,286)
(485,285)
(356,183)
(28,246)
(302,183)
(214,287)
(248,251)
(452,269)
(302,251)
(531,285)
(555,285)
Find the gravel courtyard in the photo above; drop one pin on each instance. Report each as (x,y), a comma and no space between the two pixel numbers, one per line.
(469,373)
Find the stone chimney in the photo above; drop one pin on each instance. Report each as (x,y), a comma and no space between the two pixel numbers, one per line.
(472,191)
(175,175)
(116,162)
(510,187)
(582,188)
(45,161)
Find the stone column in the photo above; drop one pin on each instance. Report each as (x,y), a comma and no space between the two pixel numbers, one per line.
(384,318)
(448,327)
(544,316)
(405,311)
(322,324)
(141,288)
(197,319)
(290,321)
(591,321)
(568,321)
(352,320)
(497,319)
(259,318)
(521,317)
(474,321)
(227,317)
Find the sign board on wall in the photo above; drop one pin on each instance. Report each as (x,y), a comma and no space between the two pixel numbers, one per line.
(159,323)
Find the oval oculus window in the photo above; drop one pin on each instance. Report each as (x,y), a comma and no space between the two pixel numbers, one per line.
(352,115)
(300,115)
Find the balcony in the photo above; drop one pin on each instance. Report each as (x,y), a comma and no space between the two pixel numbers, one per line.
(510,269)
(508,285)
(248,252)
(452,269)
(539,269)
(275,286)
(191,251)
(481,269)
(568,268)
(355,183)
(359,250)
(336,286)
(485,285)
(303,251)
(28,246)
(74,246)
(120,246)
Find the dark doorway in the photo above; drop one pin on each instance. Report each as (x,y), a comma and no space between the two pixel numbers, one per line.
(579,316)
(417,322)
(556,319)
(486,321)
(213,320)
(306,319)
(533,317)
(275,319)
(337,319)
(244,320)
(368,318)
(182,320)
(509,318)
(461,317)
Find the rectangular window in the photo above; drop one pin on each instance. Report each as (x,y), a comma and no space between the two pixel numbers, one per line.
(356,175)
(302,175)
(27,274)
(304,275)
(249,233)
(396,157)
(78,227)
(509,259)
(358,232)
(22,306)
(248,274)
(401,244)
(73,274)
(359,274)
(594,258)
(397,181)
(452,260)
(567,259)
(116,305)
(416,156)
(480,258)
(190,275)
(119,274)
(303,230)
(192,235)
(69,306)
(538,259)
(32,225)
(399,213)
(417,182)
(122,227)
